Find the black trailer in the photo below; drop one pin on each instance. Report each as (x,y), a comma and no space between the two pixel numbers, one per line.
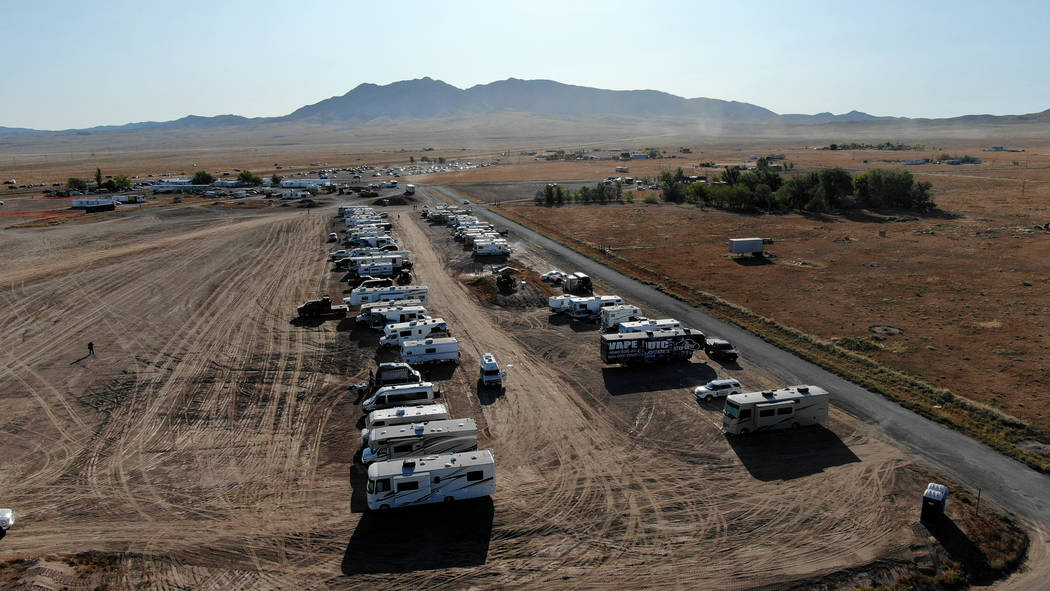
(656,346)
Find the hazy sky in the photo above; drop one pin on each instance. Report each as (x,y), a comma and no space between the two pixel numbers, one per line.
(77,64)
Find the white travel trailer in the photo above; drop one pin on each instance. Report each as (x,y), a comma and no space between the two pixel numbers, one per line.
(793,407)
(591,307)
(612,316)
(646,325)
(420,439)
(434,479)
(380,316)
(400,395)
(433,350)
(414,330)
(491,248)
(562,303)
(365,295)
(402,415)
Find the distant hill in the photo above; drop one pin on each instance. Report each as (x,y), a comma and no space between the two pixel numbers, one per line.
(410,102)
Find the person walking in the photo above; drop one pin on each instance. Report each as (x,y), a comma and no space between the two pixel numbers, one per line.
(91,348)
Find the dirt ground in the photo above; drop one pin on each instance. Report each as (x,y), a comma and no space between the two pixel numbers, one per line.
(209,442)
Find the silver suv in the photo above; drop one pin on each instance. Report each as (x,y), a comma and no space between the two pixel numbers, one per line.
(717,388)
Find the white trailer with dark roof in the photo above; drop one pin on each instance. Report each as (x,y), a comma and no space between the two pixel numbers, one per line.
(441,478)
(787,408)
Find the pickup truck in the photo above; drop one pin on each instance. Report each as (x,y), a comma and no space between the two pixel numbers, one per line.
(321,307)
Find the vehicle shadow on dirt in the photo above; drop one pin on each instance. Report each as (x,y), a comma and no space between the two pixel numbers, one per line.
(438,372)
(791,453)
(753,261)
(443,535)
(637,379)
(308,322)
(489,394)
(960,547)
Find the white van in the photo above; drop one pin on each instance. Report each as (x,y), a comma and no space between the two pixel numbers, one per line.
(400,395)
(420,439)
(435,479)
(395,334)
(432,350)
(402,415)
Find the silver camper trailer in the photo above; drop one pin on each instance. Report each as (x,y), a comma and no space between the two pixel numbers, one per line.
(402,415)
(420,439)
(434,350)
(400,395)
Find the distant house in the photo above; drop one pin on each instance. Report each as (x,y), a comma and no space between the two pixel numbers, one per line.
(639,156)
(95,204)
(914,162)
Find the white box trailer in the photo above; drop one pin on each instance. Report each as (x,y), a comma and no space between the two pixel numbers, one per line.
(646,325)
(752,246)
(407,482)
(402,415)
(612,316)
(414,330)
(420,439)
(381,316)
(591,307)
(792,407)
(433,350)
(400,395)
(365,295)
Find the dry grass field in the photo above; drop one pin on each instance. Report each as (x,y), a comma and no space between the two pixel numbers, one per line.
(958,297)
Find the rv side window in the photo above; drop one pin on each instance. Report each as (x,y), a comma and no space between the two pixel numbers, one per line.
(392,398)
(437,479)
(431,350)
(404,448)
(379,423)
(406,333)
(371,486)
(419,396)
(745,413)
(383,485)
(785,411)
(768,412)
(410,485)
(475,476)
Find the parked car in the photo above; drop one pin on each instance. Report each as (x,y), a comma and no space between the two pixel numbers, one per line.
(717,388)
(332,237)
(720,349)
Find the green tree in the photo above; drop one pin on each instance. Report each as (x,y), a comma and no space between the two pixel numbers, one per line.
(276,179)
(75,184)
(250,179)
(548,194)
(98,177)
(836,184)
(731,175)
(203,177)
(122,182)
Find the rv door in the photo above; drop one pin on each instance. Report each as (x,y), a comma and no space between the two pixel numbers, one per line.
(409,490)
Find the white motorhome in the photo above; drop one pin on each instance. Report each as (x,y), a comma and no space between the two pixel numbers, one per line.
(612,316)
(793,407)
(491,248)
(380,316)
(365,295)
(414,330)
(400,395)
(420,439)
(402,415)
(433,479)
(591,307)
(432,350)
(646,325)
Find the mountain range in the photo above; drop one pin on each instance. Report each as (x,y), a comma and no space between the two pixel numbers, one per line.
(426,98)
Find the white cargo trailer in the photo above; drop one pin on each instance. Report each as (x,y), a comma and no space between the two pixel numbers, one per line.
(402,415)
(420,439)
(432,350)
(793,407)
(433,479)
(752,246)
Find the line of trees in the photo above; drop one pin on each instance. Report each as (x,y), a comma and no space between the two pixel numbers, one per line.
(764,190)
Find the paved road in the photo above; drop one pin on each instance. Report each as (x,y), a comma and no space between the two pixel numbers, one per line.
(1006,482)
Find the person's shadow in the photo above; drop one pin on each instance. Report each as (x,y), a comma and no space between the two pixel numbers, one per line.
(82,358)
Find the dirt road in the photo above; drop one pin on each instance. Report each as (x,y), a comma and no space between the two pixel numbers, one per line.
(209,442)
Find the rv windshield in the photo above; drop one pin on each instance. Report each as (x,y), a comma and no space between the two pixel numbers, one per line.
(732,410)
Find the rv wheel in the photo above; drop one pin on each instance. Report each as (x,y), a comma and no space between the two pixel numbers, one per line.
(708,398)
(449,499)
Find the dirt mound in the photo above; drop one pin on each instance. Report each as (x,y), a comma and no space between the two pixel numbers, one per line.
(395,200)
(529,291)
